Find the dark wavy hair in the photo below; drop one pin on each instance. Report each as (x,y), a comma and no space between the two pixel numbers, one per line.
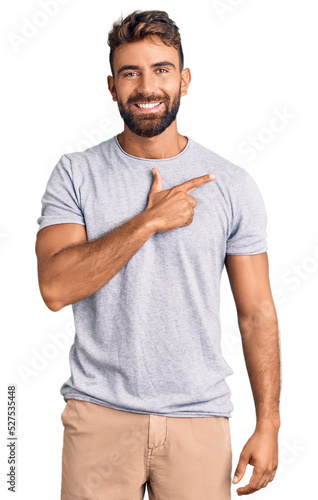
(141,24)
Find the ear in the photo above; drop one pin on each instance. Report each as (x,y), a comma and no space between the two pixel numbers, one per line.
(111,87)
(185,80)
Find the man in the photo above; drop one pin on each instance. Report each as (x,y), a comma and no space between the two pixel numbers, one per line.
(140,259)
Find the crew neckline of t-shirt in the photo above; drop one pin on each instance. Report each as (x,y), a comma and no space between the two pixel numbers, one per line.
(171,158)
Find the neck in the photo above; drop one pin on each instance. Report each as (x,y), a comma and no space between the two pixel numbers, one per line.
(166,145)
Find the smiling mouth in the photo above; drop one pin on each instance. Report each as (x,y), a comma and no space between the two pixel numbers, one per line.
(149,105)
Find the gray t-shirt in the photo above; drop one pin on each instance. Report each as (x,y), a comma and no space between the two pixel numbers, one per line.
(149,341)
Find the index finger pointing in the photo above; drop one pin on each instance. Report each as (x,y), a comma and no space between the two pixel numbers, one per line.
(192,184)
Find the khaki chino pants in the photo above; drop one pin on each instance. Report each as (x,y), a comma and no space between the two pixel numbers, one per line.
(111,454)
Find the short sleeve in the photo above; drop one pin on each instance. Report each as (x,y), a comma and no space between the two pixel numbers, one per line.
(60,202)
(248,235)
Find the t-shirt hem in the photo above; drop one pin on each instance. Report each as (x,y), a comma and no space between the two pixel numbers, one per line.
(172,414)
(60,221)
(244,252)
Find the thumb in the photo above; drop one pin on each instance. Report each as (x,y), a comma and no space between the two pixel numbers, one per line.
(240,469)
(157,181)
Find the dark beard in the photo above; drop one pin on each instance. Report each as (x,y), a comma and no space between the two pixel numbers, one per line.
(149,125)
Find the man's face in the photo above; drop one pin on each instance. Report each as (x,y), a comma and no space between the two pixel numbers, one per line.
(140,79)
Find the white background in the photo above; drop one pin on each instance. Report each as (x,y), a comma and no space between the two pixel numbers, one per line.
(250,61)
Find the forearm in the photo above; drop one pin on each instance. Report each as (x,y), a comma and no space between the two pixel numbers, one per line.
(260,339)
(78,271)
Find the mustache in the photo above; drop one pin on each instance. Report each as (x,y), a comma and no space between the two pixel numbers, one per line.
(146,100)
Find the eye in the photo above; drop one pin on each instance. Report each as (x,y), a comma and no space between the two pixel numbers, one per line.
(158,69)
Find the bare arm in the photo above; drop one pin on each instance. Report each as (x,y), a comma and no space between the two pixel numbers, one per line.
(70,268)
(248,275)
(249,280)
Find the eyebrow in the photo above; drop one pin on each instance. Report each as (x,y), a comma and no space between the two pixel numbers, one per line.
(156,65)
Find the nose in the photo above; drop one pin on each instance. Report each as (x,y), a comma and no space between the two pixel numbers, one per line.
(147,84)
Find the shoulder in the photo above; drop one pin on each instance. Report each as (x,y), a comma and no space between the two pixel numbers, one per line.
(228,173)
(89,160)
(93,152)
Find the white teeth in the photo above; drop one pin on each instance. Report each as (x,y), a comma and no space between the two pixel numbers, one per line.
(145,106)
